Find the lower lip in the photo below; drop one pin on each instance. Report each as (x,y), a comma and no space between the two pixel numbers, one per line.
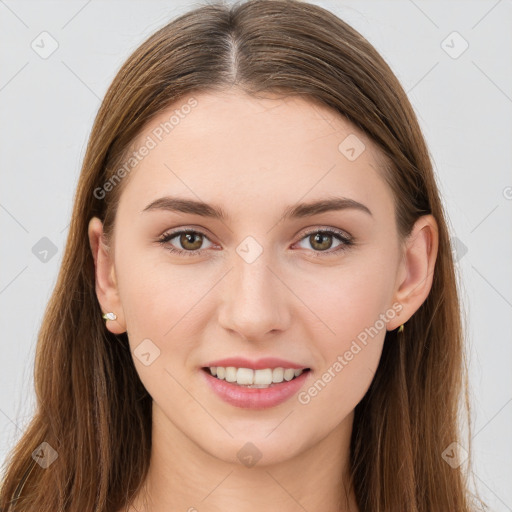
(255,398)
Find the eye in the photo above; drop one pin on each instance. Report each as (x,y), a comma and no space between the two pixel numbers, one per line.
(190,241)
(322,240)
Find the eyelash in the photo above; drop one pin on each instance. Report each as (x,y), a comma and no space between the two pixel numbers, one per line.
(339,235)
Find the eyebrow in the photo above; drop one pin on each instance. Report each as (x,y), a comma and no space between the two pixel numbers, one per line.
(176,204)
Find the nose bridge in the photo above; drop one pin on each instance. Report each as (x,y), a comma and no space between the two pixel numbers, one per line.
(254,304)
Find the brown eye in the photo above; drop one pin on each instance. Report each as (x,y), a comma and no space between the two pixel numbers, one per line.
(191,240)
(320,241)
(186,243)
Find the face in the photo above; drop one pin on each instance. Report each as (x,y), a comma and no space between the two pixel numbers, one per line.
(313,288)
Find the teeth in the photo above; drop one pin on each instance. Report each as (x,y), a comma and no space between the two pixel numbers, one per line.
(289,374)
(254,378)
(277,375)
(262,376)
(244,376)
(230,374)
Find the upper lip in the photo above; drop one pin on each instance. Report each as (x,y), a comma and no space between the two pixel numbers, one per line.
(259,364)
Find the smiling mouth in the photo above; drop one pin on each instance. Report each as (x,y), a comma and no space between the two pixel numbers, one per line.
(249,378)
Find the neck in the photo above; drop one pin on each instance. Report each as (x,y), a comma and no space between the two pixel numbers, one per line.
(182,476)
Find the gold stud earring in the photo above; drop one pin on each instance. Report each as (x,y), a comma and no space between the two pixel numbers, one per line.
(109,316)
(401,328)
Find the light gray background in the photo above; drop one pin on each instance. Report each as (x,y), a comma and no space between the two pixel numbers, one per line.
(464,104)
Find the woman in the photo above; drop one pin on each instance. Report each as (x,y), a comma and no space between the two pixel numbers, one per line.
(257,306)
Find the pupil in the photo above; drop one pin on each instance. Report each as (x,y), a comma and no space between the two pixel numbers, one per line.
(318,237)
(189,238)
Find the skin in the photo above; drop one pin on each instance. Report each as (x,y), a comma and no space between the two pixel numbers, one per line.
(255,157)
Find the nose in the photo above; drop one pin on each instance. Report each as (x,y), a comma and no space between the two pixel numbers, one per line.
(255,302)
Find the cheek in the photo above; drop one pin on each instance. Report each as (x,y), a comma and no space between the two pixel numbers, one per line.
(335,390)
(162,303)
(350,357)
(156,305)
(154,293)
(353,305)
(348,299)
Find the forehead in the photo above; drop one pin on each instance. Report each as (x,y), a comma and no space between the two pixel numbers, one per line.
(232,147)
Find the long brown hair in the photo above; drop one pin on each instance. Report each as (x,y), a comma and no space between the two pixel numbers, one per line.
(92,408)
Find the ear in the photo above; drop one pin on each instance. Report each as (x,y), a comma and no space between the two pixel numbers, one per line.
(105,278)
(416,272)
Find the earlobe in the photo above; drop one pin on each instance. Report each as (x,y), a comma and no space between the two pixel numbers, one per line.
(417,269)
(105,279)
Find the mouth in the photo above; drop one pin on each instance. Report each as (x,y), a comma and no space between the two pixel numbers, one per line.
(260,388)
(255,379)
